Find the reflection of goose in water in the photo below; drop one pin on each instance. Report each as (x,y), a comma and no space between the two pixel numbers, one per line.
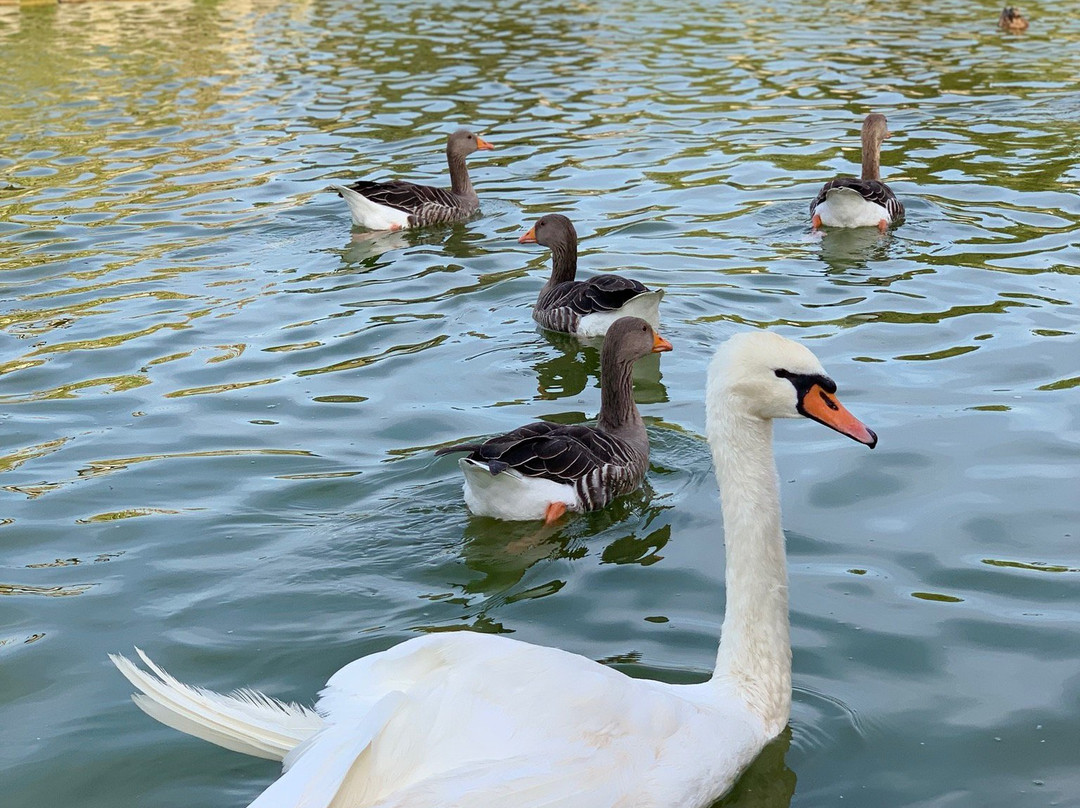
(569,373)
(479,721)
(502,552)
(366,244)
(853,248)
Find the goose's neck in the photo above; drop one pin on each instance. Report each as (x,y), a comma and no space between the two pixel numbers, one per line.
(563,259)
(618,413)
(460,183)
(755,643)
(871,157)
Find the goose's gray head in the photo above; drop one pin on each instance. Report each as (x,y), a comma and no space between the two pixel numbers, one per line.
(464,142)
(553,229)
(875,128)
(630,338)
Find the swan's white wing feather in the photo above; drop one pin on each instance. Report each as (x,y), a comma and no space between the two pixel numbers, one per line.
(243,721)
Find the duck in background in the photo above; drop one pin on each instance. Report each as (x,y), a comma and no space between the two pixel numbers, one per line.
(865,201)
(584,308)
(1012,20)
(397,205)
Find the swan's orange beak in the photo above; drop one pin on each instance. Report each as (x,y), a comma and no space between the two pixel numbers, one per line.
(824,408)
(659,344)
(482,144)
(530,237)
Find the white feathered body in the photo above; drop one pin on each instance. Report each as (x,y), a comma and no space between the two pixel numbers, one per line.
(428,724)
(467,720)
(844,207)
(512,496)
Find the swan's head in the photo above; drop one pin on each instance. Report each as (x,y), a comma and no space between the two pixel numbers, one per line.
(464,142)
(763,375)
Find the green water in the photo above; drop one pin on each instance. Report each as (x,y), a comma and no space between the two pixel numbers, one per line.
(218,404)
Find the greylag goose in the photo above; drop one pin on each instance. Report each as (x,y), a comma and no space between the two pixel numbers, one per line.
(542,470)
(1012,20)
(480,720)
(584,308)
(396,205)
(865,202)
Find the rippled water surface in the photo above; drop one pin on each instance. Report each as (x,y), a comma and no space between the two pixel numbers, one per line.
(218,403)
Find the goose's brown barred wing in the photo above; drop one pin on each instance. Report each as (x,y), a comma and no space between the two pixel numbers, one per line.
(561,307)
(599,466)
(873,191)
(425,204)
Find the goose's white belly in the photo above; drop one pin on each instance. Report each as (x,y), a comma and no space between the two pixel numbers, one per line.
(846,208)
(512,496)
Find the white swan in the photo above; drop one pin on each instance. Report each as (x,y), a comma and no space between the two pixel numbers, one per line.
(480,721)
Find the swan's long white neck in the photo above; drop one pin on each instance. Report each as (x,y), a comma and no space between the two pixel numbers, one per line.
(755,644)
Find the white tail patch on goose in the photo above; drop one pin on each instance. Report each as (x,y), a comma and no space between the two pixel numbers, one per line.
(372,215)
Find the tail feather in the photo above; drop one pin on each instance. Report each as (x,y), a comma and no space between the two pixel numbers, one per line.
(366,213)
(646,306)
(244,721)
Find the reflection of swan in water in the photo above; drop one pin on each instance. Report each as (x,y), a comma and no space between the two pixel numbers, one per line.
(768,783)
(479,721)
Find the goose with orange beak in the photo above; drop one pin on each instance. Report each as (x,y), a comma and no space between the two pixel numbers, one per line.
(543,470)
(397,205)
(860,201)
(584,308)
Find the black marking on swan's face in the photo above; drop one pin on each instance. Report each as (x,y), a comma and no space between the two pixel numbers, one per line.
(804,381)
